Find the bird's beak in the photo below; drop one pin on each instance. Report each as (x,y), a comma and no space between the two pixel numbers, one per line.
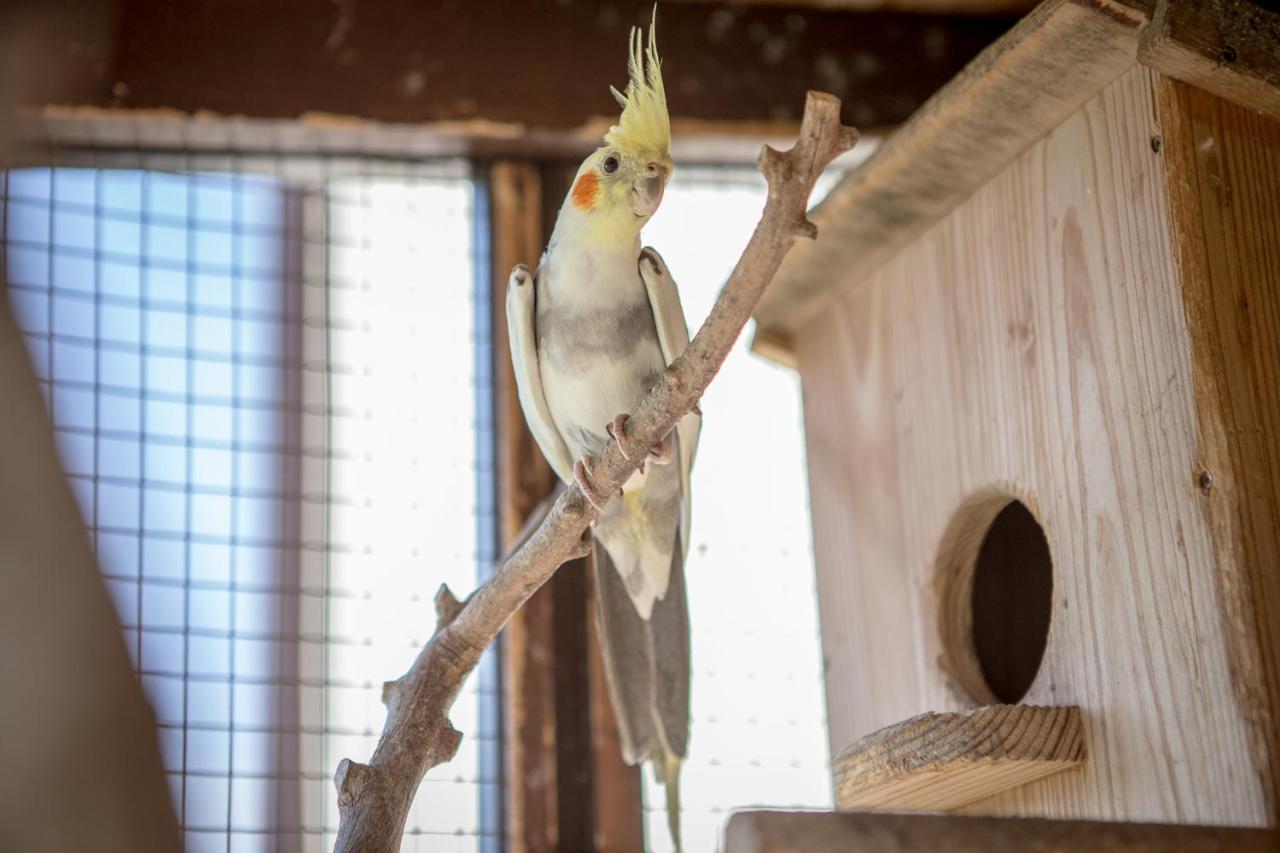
(646,193)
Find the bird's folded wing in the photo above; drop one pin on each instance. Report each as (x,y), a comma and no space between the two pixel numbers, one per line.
(673,337)
(522,335)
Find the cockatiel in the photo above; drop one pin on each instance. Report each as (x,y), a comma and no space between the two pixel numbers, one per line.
(590,332)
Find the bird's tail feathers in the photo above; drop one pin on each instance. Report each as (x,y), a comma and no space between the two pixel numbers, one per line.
(646,664)
(667,769)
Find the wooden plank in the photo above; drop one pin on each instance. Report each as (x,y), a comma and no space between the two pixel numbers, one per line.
(82,761)
(53,51)
(1034,342)
(579,805)
(939,762)
(567,786)
(775,346)
(1011,95)
(524,478)
(576,799)
(1228,47)
(1224,199)
(946,7)
(827,832)
(521,64)
(121,131)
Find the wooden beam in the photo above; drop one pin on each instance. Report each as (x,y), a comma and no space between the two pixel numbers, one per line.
(520,65)
(524,479)
(56,50)
(601,804)
(82,766)
(1015,92)
(1223,181)
(576,798)
(939,762)
(776,346)
(936,7)
(828,832)
(567,786)
(1228,47)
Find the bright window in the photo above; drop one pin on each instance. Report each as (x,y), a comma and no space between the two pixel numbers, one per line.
(410,451)
(269,379)
(267,389)
(759,733)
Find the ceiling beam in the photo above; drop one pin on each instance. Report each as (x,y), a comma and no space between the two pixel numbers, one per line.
(522,65)
(935,7)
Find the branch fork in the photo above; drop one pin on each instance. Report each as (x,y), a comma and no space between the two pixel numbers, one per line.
(374,799)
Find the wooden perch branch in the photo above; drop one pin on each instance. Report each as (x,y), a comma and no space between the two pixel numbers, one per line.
(374,799)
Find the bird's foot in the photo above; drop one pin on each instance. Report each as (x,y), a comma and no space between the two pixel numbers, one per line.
(659,454)
(617,429)
(582,476)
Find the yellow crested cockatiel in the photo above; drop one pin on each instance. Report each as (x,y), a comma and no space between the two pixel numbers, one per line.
(590,331)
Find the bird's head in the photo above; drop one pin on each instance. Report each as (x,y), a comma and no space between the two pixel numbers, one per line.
(620,185)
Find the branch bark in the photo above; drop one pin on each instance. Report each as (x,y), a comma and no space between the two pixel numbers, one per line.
(374,799)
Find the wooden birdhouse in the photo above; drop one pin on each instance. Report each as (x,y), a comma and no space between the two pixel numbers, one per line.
(1039,339)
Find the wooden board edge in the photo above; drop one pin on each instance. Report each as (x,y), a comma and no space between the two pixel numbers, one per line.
(1225,476)
(924,762)
(778,347)
(1011,95)
(1230,48)
(694,141)
(762,831)
(530,809)
(923,795)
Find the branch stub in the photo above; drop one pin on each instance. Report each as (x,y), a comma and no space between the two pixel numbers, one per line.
(350,780)
(447,606)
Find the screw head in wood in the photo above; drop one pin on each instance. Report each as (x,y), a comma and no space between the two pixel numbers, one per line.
(1205,481)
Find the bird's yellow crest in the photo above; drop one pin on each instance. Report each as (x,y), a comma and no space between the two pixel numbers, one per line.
(644,124)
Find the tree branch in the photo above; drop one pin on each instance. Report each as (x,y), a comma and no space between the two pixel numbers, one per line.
(374,799)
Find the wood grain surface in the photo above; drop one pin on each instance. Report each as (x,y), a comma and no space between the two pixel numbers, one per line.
(828,832)
(1224,200)
(1012,94)
(524,479)
(1228,47)
(938,762)
(558,717)
(1035,342)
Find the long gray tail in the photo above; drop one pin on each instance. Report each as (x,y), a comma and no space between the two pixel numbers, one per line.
(646,665)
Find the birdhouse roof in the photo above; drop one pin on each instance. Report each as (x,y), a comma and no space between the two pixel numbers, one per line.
(1016,91)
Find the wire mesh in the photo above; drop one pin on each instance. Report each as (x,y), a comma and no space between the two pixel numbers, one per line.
(758,733)
(267,374)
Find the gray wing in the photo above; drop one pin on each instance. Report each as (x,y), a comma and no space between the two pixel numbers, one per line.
(523,339)
(673,338)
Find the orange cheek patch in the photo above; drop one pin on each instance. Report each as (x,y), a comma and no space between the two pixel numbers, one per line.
(585,190)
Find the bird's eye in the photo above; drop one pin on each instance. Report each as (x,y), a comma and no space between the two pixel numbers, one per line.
(610,165)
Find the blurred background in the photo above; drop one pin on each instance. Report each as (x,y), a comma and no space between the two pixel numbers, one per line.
(255,254)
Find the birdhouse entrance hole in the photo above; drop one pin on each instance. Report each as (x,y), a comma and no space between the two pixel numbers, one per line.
(995,583)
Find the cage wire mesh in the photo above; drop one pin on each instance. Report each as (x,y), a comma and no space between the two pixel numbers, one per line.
(758,732)
(268,364)
(268,373)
